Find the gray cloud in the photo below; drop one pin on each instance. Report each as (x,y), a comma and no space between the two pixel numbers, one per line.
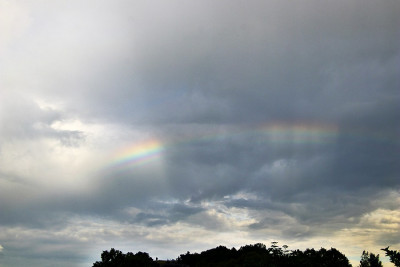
(265,113)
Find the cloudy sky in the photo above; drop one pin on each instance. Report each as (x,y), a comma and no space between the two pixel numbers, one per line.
(168,126)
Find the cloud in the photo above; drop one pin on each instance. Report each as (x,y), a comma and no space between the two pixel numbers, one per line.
(220,67)
(13,24)
(271,119)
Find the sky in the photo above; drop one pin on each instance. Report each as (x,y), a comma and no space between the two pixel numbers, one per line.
(173,126)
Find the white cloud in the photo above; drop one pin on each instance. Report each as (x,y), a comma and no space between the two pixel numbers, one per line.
(14,21)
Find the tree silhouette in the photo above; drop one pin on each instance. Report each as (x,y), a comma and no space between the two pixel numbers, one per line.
(370,260)
(115,258)
(393,255)
(259,255)
(318,258)
(249,255)
(110,258)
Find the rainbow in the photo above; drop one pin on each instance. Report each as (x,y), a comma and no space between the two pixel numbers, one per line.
(137,154)
(298,133)
(268,133)
(275,133)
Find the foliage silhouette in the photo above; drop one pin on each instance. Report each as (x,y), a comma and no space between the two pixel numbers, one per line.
(370,260)
(394,256)
(259,255)
(249,255)
(115,258)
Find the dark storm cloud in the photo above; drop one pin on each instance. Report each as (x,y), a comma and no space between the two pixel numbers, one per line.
(228,61)
(165,213)
(266,61)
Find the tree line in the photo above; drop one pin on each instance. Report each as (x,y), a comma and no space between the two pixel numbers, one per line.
(249,255)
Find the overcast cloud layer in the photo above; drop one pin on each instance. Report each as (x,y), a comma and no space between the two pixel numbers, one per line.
(244,122)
